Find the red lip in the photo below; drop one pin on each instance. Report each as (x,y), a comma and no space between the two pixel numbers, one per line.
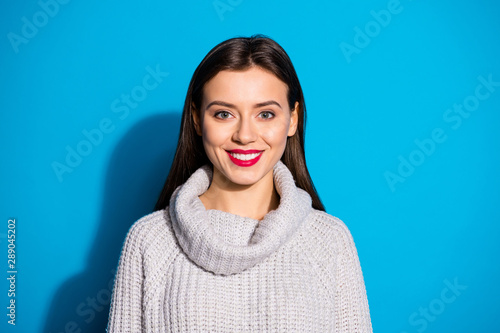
(244,163)
(241,151)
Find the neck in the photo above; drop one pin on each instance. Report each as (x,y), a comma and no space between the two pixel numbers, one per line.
(253,201)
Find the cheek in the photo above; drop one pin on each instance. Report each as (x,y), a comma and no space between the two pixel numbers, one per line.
(213,135)
(275,135)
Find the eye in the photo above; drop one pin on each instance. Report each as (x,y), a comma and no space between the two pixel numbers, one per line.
(266,115)
(222,115)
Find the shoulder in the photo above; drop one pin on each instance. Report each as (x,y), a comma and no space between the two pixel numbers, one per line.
(146,224)
(149,229)
(330,232)
(324,222)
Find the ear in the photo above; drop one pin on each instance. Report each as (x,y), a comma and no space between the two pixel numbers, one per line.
(196,119)
(294,119)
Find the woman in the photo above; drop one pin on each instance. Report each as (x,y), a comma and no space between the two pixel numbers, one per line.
(240,240)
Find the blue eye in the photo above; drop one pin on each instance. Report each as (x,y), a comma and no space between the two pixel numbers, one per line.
(266,115)
(222,115)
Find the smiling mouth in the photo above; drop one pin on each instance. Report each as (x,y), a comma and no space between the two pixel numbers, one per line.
(244,158)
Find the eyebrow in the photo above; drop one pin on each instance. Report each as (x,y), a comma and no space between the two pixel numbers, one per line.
(229,105)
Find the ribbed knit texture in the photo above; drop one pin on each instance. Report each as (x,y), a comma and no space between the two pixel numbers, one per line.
(187,269)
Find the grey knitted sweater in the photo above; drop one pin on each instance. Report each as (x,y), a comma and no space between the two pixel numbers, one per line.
(188,269)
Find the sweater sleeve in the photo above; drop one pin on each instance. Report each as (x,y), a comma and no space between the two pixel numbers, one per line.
(351,302)
(126,303)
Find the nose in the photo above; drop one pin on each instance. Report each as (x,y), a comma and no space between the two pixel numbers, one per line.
(246,132)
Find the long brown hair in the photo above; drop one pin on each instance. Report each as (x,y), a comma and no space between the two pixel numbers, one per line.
(239,54)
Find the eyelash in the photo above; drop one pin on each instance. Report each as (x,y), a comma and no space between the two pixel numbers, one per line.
(216,115)
(272,115)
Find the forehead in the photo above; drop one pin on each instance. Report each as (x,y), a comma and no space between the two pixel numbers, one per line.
(250,86)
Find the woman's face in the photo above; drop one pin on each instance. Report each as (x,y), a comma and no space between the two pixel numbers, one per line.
(244,121)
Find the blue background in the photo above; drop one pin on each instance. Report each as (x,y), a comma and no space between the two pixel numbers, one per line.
(435,225)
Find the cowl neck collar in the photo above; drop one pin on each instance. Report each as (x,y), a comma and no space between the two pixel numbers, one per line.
(225,243)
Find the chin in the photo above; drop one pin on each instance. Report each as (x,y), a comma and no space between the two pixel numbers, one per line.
(244,180)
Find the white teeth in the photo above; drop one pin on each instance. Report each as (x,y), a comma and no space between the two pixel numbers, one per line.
(245,157)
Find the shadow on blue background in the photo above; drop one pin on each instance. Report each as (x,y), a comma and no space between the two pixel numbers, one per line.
(136,173)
